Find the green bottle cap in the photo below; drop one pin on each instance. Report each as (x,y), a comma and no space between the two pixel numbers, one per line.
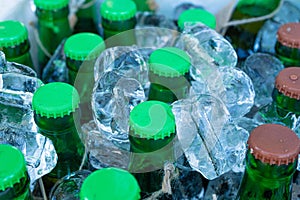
(110,184)
(118,10)
(169,62)
(55,99)
(12,166)
(51,4)
(257,8)
(83,46)
(197,15)
(12,33)
(152,120)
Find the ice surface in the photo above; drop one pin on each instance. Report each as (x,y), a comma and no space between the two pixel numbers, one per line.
(154,31)
(212,143)
(17,124)
(262,68)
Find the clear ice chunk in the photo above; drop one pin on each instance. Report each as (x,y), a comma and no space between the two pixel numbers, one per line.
(12,67)
(114,97)
(18,127)
(212,143)
(68,188)
(128,60)
(238,94)
(262,68)
(154,31)
(206,47)
(266,37)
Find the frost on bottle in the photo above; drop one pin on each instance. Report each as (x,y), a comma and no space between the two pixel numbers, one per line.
(287,47)
(56,115)
(169,74)
(118,20)
(195,15)
(81,51)
(14,178)
(14,42)
(285,107)
(53,26)
(110,183)
(151,135)
(242,36)
(271,161)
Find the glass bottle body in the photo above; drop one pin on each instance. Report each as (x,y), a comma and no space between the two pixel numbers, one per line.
(289,56)
(85,18)
(151,180)
(84,84)
(69,148)
(168,89)
(122,30)
(19,191)
(53,27)
(265,181)
(242,37)
(19,54)
(282,109)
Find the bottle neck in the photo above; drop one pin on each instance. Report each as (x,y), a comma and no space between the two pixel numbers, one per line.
(49,15)
(20,190)
(265,181)
(287,55)
(168,89)
(17,50)
(285,104)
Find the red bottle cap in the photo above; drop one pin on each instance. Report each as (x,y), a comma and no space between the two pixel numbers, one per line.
(289,35)
(288,82)
(274,144)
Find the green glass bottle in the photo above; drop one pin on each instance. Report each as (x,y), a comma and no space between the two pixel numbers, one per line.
(151,136)
(110,184)
(86,18)
(286,98)
(242,36)
(144,5)
(56,113)
(195,15)
(271,161)
(118,19)
(169,74)
(14,42)
(287,46)
(53,27)
(14,178)
(81,51)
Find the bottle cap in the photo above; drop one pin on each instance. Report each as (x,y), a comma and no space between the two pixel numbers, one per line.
(274,144)
(51,4)
(55,99)
(118,10)
(288,82)
(152,120)
(12,166)
(197,15)
(83,46)
(12,33)
(169,62)
(289,35)
(255,8)
(110,183)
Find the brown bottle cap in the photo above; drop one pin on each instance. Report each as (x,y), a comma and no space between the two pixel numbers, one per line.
(288,82)
(274,144)
(289,35)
